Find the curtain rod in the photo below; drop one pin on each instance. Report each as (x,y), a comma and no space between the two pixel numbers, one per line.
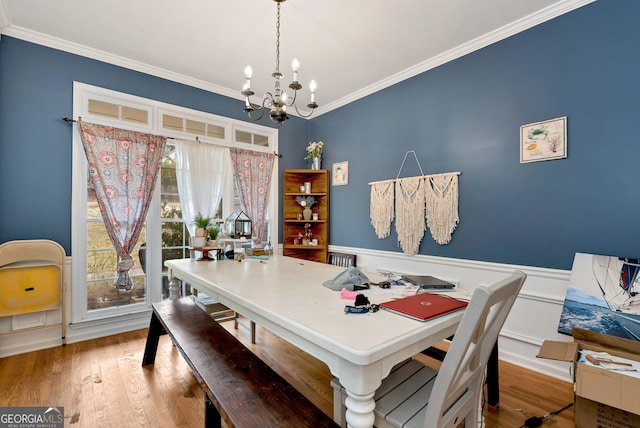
(68,120)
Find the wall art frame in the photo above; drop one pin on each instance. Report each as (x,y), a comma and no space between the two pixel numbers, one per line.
(546,140)
(340,173)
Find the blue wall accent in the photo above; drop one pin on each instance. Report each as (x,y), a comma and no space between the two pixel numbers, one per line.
(462,116)
(36,92)
(466,116)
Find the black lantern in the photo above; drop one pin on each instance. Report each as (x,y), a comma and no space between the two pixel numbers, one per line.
(238,225)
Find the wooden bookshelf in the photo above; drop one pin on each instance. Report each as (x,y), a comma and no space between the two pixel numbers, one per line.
(293,180)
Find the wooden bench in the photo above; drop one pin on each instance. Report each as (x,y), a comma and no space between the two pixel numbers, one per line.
(240,389)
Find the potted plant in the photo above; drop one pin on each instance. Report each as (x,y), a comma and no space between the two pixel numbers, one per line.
(201,222)
(314,152)
(213,231)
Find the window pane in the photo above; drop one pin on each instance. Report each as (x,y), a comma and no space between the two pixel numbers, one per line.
(261,140)
(195,127)
(215,131)
(131,114)
(172,122)
(102,108)
(243,137)
(102,294)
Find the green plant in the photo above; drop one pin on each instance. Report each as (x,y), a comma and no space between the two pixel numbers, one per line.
(201,221)
(214,231)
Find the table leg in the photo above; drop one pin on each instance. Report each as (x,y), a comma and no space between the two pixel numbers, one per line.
(360,410)
(174,288)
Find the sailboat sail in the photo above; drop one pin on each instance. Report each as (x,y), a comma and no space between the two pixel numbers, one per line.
(618,279)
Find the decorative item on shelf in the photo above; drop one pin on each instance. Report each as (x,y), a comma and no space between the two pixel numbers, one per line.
(296,241)
(314,152)
(307,235)
(238,225)
(307,187)
(214,231)
(315,216)
(306,202)
(277,102)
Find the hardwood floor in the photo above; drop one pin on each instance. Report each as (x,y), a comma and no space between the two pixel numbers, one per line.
(100,383)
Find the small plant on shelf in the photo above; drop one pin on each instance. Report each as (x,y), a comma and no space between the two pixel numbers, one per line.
(306,235)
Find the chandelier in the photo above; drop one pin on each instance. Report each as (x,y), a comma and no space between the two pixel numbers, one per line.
(278,101)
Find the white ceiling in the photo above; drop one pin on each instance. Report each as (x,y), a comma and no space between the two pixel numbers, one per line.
(350,47)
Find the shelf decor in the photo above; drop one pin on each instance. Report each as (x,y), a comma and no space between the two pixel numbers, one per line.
(314,152)
(306,202)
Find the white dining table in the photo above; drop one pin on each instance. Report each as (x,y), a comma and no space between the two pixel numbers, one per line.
(285,295)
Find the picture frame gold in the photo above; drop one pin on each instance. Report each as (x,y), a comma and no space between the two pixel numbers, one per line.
(340,173)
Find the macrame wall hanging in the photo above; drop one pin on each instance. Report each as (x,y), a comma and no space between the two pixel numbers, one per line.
(410,213)
(381,208)
(420,202)
(441,195)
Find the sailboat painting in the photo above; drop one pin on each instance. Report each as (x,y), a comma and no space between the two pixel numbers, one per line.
(603,295)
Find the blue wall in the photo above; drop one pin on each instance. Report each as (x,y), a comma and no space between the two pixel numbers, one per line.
(463,116)
(466,116)
(36,92)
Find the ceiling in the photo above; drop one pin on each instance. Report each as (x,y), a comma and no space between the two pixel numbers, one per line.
(351,48)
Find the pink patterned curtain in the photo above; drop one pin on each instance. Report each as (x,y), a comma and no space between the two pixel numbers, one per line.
(252,171)
(123,167)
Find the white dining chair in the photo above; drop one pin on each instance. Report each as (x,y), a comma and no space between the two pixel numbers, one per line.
(415,395)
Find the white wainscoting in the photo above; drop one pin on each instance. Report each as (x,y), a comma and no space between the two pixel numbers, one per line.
(533,318)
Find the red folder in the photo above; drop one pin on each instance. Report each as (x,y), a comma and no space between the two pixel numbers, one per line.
(424,306)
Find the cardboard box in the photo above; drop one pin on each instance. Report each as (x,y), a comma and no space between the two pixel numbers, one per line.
(617,390)
(590,414)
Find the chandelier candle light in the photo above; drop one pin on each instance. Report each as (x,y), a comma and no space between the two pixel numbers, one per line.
(277,102)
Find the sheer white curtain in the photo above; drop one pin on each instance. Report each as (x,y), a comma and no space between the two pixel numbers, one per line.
(201,170)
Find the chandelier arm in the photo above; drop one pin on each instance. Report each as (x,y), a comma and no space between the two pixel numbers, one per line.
(302,115)
(261,110)
(292,103)
(267,101)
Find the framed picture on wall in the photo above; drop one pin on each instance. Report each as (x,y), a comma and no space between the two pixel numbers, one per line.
(545,140)
(340,173)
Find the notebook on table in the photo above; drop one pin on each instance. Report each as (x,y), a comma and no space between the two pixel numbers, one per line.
(424,306)
(428,282)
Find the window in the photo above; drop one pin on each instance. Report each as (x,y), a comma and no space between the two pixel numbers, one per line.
(165,235)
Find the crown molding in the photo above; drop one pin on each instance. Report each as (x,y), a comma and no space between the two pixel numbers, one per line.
(504,32)
(88,52)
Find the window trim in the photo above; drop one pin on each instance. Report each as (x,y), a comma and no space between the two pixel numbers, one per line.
(81,94)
